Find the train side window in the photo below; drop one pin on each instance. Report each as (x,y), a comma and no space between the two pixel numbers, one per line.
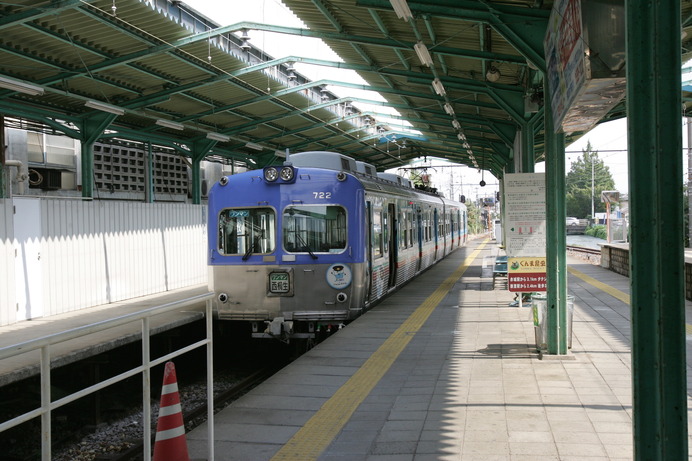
(377,234)
(315,228)
(385,231)
(411,227)
(247,230)
(403,226)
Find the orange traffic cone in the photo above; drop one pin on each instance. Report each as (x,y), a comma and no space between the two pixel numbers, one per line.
(170,444)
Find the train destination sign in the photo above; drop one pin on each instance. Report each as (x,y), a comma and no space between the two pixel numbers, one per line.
(279,282)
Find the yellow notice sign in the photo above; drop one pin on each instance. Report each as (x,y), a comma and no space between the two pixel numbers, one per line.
(526,264)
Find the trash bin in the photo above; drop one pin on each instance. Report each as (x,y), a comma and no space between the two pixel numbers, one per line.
(539,310)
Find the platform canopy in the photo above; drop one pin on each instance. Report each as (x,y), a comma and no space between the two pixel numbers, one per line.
(466,76)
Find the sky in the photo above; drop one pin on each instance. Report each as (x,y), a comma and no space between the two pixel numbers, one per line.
(608,139)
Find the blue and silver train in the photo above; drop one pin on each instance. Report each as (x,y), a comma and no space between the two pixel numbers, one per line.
(299,249)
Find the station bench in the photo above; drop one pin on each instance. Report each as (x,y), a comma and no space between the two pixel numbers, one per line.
(499,268)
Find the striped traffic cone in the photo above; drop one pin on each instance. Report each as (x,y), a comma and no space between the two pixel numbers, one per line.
(170,444)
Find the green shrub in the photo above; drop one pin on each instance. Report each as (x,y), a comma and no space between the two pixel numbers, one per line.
(599,231)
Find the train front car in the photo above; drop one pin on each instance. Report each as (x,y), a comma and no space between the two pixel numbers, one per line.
(286,250)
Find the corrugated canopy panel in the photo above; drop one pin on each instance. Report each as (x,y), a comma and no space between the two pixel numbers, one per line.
(159,59)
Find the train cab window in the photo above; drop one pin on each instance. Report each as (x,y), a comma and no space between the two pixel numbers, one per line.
(247,231)
(315,229)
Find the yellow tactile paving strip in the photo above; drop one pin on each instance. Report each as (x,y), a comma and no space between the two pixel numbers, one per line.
(320,430)
(624,297)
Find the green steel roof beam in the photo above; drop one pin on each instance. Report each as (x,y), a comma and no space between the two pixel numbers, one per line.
(361,39)
(522,27)
(31,14)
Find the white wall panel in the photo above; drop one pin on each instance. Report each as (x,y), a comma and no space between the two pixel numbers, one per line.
(94,253)
(7,264)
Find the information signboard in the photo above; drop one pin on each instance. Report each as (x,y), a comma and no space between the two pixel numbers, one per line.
(526,231)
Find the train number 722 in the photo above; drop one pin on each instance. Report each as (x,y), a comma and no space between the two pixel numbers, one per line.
(322,195)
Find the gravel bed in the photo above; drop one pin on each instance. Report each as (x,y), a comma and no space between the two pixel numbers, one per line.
(116,436)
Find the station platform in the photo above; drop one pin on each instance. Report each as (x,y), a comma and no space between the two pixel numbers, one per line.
(444,369)
(28,364)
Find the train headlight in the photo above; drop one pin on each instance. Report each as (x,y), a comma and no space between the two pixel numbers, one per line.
(287,173)
(341,176)
(342,297)
(271,174)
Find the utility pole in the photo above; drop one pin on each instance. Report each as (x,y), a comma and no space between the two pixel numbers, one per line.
(593,217)
(689,177)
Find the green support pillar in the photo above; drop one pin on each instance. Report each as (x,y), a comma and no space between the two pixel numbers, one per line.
(555,239)
(92,128)
(527,151)
(196,180)
(656,230)
(2,156)
(149,195)
(200,148)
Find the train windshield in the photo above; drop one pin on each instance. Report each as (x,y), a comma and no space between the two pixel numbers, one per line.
(247,231)
(314,229)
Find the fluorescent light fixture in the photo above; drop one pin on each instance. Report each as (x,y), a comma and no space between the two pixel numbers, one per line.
(423,54)
(20,86)
(438,87)
(278,153)
(252,145)
(401,9)
(169,124)
(105,107)
(456,124)
(217,137)
(448,109)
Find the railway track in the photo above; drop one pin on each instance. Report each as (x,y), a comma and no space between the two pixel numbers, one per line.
(196,416)
(583,250)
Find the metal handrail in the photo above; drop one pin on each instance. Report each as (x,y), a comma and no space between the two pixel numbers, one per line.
(144,316)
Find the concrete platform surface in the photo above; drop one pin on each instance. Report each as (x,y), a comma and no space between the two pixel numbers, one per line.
(467,384)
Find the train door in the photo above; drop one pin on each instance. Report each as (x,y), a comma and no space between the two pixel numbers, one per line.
(421,231)
(392,243)
(368,245)
(436,232)
(452,231)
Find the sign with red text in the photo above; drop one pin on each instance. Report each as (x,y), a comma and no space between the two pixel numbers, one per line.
(526,274)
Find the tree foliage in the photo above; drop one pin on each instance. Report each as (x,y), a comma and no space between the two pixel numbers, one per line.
(585,181)
(474,218)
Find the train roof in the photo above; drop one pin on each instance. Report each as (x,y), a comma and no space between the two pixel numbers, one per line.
(366,174)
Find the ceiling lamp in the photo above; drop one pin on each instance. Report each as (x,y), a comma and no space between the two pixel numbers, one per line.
(245,41)
(104,107)
(252,145)
(218,137)
(438,87)
(401,9)
(22,87)
(493,74)
(461,137)
(449,109)
(456,124)
(423,54)
(169,124)
(291,71)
